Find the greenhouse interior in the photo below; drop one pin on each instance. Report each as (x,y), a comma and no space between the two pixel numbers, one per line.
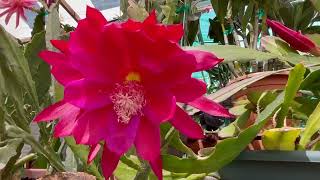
(83,95)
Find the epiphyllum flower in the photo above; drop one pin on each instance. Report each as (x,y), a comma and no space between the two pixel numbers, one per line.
(296,40)
(15,6)
(122,80)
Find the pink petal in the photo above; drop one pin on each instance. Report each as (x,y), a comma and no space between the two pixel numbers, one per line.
(94,149)
(121,136)
(160,106)
(55,111)
(67,123)
(87,94)
(147,141)
(8,17)
(109,162)
(53,58)
(92,126)
(189,90)
(205,60)
(95,17)
(151,19)
(62,45)
(186,125)
(61,68)
(65,74)
(156,166)
(165,69)
(206,105)
(174,32)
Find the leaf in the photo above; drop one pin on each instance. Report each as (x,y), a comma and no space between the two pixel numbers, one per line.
(296,77)
(39,23)
(225,151)
(16,132)
(136,12)
(234,128)
(312,126)
(296,59)
(82,152)
(232,53)
(8,149)
(220,8)
(311,82)
(282,139)
(40,70)
(276,45)
(124,172)
(52,26)
(12,56)
(247,15)
(316,4)
(315,38)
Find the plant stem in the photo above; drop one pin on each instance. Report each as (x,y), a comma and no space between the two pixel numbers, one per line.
(255,27)
(143,174)
(25,159)
(7,171)
(225,37)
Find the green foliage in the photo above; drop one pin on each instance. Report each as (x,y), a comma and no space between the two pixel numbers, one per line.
(40,70)
(82,152)
(8,149)
(39,23)
(296,77)
(282,139)
(232,53)
(219,158)
(313,125)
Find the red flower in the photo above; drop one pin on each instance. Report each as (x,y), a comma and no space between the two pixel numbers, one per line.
(296,40)
(122,80)
(15,6)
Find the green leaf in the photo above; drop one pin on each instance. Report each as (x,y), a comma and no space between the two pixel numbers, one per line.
(225,151)
(40,70)
(16,132)
(221,8)
(313,125)
(136,11)
(296,59)
(246,18)
(12,56)
(52,26)
(282,139)
(315,38)
(232,53)
(276,45)
(39,23)
(233,129)
(296,77)
(316,4)
(124,172)
(8,149)
(82,152)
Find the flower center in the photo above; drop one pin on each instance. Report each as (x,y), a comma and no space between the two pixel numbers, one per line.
(128,98)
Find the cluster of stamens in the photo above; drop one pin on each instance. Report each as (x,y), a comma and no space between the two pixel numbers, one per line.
(128,100)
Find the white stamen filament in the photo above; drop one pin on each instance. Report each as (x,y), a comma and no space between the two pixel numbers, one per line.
(128,100)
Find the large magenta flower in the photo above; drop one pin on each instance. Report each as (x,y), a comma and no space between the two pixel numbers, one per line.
(296,40)
(122,80)
(15,6)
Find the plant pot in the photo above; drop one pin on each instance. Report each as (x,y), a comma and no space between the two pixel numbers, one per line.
(273,165)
